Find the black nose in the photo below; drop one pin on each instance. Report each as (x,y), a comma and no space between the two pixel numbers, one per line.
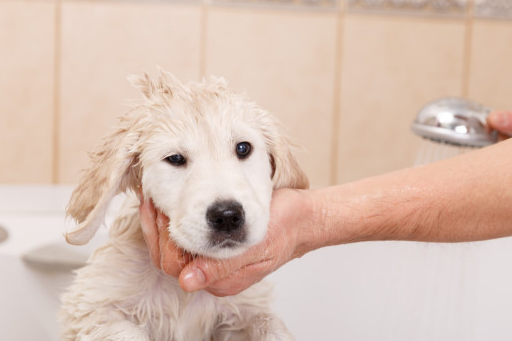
(225,216)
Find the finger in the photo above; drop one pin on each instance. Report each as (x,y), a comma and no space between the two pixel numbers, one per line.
(240,280)
(231,286)
(201,272)
(226,276)
(162,221)
(501,121)
(148,215)
(172,257)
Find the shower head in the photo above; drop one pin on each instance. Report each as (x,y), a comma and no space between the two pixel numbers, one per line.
(455,121)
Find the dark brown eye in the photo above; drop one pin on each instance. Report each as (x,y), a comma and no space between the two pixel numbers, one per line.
(243,149)
(176,160)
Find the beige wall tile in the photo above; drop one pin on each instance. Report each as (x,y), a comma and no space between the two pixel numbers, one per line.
(285,61)
(390,68)
(490,80)
(26,91)
(102,43)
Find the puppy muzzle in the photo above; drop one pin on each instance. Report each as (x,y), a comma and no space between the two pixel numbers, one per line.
(226,218)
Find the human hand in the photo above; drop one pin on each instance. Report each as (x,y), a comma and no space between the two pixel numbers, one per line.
(165,254)
(285,240)
(502,122)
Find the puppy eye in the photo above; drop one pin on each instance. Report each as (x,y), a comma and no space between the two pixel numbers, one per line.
(243,149)
(176,160)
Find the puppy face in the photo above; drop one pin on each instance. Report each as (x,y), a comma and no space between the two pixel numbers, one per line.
(212,178)
(208,158)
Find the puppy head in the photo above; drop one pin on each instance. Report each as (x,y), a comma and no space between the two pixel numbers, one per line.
(207,157)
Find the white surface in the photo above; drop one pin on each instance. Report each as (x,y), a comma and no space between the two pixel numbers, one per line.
(33,217)
(370,291)
(399,291)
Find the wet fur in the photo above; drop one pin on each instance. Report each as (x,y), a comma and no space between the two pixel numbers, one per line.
(119,294)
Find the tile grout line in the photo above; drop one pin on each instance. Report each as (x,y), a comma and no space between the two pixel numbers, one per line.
(56,92)
(203,37)
(336,119)
(468,44)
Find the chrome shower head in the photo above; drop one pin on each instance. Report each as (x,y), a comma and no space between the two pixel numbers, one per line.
(455,121)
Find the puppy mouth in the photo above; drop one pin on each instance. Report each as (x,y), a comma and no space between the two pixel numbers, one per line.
(228,244)
(227,240)
(211,249)
(225,248)
(211,245)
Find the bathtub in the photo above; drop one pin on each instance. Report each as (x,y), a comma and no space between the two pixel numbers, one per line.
(35,262)
(367,291)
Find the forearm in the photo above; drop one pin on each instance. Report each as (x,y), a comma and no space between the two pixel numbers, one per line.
(461,199)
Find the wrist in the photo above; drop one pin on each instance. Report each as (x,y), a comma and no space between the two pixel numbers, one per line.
(314,221)
(297,216)
(366,210)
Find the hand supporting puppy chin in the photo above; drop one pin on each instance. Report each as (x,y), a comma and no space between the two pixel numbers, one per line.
(224,277)
(164,253)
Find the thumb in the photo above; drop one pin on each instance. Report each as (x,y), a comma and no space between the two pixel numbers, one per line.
(202,272)
(501,121)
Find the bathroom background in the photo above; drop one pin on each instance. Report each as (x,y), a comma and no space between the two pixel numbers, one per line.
(346,77)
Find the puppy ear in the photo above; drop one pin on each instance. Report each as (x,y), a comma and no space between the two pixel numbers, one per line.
(163,89)
(113,170)
(143,83)
(286,172)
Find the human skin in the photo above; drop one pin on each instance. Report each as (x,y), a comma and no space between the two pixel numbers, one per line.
(466,198)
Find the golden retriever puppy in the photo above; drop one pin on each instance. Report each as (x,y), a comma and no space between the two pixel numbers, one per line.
(209,159)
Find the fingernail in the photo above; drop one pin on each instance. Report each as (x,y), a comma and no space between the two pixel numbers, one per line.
(193,280)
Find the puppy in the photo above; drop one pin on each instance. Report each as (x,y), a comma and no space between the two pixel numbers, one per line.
(209,159)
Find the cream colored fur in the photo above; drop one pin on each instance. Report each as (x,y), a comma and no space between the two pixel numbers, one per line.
(119,294)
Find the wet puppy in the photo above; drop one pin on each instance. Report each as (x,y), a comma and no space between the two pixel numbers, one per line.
(209,159)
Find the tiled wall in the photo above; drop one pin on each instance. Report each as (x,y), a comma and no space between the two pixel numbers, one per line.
(346,77)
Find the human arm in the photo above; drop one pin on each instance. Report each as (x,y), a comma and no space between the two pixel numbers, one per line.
(465,198)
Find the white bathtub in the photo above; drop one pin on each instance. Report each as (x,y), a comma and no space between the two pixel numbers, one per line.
(369,291)
(35,261)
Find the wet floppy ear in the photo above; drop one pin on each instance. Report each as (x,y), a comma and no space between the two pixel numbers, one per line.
(114,169)
(286,172)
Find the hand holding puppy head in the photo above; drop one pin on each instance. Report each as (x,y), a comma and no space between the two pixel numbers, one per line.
(223,277)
